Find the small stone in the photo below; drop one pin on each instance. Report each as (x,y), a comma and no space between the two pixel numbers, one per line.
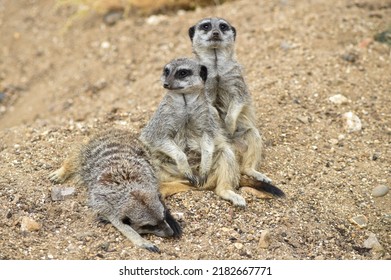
(264,240)
(105,45)
(380,190)
(112,17)
(155,19)
(350,57)
(178,216)
(365,43)
(375,156)
(352,122)
(361,221)
(373,243)
(28,224)
(304,119)
(338,99)
(238,245)
(61,193)
(287,45)
(333,141)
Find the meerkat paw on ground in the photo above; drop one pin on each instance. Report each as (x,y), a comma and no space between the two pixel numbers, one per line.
(58,176)
(230,195)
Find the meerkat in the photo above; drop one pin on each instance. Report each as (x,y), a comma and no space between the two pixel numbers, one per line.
(122,185)
(213,42)
(185,137)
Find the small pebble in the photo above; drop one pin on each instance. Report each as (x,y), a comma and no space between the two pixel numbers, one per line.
(238,245)
(61,193)
(178,216)
(361,221)
(380,190)
(28,224)
(338,99)
(350,57)
(112,17)
(264,240)
(352,122)
(155,19)
(304,119)
(105,45)
(287,45)
(373,243)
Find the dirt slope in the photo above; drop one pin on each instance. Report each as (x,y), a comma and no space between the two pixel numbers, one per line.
(58,85)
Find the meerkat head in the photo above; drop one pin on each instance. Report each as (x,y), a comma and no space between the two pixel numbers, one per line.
(212,33)
(148,214)
(142,207)
(184,75)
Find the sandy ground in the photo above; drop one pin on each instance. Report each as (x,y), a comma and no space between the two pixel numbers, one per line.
(58,85)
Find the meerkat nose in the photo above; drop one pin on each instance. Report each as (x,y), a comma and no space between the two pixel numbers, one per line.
(166,85)
(215,33)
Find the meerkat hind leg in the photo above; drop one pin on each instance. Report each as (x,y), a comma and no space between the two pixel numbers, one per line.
(225,176)
(252,156)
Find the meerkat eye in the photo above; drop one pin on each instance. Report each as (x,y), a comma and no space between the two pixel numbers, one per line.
(224,27)
(206,26)
(127,221)
(183,73)
(166,71)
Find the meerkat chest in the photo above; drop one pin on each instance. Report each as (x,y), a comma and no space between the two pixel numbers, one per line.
(194,120)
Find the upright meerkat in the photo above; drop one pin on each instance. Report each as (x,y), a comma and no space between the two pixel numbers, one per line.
(213,41)
(185,136)
(122,185)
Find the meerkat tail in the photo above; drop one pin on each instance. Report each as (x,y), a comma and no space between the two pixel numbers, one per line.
(170,188)
(261,186)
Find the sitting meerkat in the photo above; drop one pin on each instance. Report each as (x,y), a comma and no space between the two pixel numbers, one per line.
(122,185)
(213,41)
(185,137)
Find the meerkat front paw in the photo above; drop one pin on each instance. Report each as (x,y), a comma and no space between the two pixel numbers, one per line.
(230,195)
(193,179)
(203,180)
(150,247)
(57,176)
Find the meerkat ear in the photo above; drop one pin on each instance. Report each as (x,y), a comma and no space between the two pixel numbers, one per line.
(191,32)
(204,73)
(234,31)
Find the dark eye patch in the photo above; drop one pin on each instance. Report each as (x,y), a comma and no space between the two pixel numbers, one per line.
(166,72)
(183,73)
(127,221)
(224,27)
(206,26)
